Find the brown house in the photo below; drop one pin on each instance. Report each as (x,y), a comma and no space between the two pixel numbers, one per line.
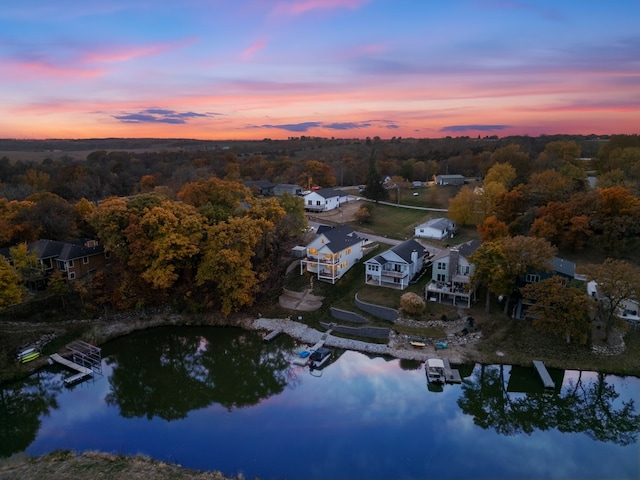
(75,258)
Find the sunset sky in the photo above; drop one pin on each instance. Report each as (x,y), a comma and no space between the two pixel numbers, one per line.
(251,69)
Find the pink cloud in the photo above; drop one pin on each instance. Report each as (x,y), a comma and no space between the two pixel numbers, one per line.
(29,70)
(299,7)
(248,53)
(126,52)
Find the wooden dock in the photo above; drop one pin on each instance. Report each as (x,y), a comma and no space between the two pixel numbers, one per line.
(547,381)
(83,372)
(272,335)
(451,375)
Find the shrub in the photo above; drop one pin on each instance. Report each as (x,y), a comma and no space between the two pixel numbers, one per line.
(412,303)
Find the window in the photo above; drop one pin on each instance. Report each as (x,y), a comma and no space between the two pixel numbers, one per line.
(532,278)
(441,277)
(72,276)
(464,269)
(70,263)
(442,266)
(85,260)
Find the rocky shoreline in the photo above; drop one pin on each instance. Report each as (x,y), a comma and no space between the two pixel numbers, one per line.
(457,351)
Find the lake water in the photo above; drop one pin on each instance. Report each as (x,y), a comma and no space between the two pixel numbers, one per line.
(221,399)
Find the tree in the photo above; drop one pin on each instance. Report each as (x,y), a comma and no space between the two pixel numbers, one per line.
(502,173)
(162,241)
(10,284)
(617,281)
(374,188)
(227,261)
(522,255)
(558,309)
(492,229)
(463,208)
(489,266)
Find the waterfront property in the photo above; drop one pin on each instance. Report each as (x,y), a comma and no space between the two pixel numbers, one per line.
(332,253)
(451,276)
(397,266)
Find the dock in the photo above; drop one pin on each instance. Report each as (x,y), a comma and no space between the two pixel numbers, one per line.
(303,359)
(83,372)
(544,374)
(272,335)
(451,375)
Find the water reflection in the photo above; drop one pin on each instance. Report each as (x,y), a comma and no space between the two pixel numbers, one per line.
(22,405)
(582,406)
(192,395)
(169,372)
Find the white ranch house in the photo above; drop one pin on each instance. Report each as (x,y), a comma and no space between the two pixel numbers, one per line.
(397,266)
(332,253)
(436,228)
(324,200)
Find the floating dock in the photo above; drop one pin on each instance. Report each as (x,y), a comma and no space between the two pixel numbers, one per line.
(83,372)
(547,381)
(303,357)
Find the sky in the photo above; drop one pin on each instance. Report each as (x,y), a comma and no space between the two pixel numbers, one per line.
(255,69)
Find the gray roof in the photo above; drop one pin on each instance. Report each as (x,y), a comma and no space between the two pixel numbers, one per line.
(437,223)
(63,250)
(329,193)
(564,267)
(340,237)
(404,251)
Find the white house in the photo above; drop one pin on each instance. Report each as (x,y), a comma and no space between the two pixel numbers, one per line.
(397,266)
(332,253)
(436,228)
(324,200)
(451,275)
(629,308)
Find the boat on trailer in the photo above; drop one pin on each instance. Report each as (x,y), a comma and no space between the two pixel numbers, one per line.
(319,357)
(434,368)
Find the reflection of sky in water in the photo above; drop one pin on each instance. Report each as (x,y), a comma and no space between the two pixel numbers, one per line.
(361,418)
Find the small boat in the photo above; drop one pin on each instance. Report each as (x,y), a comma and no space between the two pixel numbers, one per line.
(434,369)
(319,357)
(418,344)
(25,352)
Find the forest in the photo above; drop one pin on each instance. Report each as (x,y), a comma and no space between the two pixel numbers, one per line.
(185,230)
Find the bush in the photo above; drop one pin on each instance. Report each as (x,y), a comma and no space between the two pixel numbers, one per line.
(412,303)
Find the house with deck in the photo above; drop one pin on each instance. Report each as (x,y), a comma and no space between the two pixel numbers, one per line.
(324,199)
(332,253)
(397,266)
(436,228)
(451,276)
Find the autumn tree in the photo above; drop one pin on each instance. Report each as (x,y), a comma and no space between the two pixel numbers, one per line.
(227,265)
(463,208)
(11,288)
(162,240)
(617,282)
(489,264)
(492,229)
(514,156)
(499,264)
(558,309)
(616,219)
(317,173)
(216,199)
(502,173)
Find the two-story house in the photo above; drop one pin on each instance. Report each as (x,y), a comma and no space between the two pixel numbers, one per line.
(397,266)
(451,276)
(324,200)
(74,258)
(332,253)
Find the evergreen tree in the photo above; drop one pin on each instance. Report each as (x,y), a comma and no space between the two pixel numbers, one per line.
(374,188)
